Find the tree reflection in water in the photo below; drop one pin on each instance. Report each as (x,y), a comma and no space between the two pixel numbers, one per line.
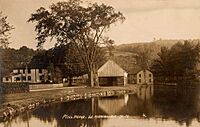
(178,104)
(56,111)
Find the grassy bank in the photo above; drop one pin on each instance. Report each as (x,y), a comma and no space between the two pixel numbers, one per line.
(14,104)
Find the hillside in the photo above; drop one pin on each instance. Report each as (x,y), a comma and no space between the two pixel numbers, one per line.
(124,53)
(155,46)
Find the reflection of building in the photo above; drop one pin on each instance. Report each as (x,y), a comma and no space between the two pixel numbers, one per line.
(112,74)
(145,92)
(113,105)
(31,75)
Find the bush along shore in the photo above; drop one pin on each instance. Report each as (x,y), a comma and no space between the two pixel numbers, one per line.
(10,111)
(9,88)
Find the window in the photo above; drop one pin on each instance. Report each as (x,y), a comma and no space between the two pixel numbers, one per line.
(29,71)
(41,78)
(18,71)
(6,78)
(49,77)
(40,70)
(24,78)
(149,75)
(29,78)
(150,80)
(24,71)
(140,80)
(17,78)
(139,75)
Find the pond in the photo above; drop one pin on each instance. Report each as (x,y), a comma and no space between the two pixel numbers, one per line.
(151,107)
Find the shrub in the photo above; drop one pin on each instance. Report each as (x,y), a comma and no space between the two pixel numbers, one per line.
(9,88)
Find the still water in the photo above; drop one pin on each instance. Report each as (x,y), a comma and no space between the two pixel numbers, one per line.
(150,107)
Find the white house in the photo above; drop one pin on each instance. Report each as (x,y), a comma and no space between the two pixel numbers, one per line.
(31,75)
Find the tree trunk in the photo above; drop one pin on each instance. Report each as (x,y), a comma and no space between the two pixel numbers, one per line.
(91,78)
(96,78)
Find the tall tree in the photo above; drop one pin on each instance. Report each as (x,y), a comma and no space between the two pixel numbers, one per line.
(67,59)
(62,61)
(178,62)
(12,58)
(143,58)
(41,59)
(5,29)
(109,46)
(81,24)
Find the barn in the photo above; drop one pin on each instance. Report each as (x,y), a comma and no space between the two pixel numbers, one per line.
(111,74)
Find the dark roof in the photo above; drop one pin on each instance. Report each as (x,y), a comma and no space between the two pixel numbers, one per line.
(12,74)
(131,69)
(29,67)
(134,70)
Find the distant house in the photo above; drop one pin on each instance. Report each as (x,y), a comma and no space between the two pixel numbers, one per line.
(80,79)
(31,75)
(111,74)
(140,76)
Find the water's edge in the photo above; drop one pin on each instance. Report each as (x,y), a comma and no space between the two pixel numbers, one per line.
(11,111)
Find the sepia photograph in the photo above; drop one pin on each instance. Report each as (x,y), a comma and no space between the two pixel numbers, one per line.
(99,63)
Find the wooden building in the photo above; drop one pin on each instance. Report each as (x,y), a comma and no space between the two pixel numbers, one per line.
(80,79)
(31,75)
(111,74)
(140,76)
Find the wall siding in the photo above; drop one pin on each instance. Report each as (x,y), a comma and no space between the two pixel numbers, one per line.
(141,79)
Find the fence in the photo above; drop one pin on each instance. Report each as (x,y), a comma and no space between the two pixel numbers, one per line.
(45,86)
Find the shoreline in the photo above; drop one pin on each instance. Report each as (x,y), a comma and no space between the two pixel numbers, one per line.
(15,106)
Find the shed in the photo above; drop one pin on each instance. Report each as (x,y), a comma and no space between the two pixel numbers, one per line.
(111,74)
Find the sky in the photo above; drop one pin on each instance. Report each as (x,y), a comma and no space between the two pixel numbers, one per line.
(145,20)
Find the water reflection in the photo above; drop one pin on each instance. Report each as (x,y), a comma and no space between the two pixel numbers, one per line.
(152,106)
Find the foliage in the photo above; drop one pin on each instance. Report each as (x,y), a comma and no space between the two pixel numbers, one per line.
(41,59)
(74,22)
(67,59)
(5,28)
(63,61)
(9,88)
(179,62)
(12,58)
(143,58)
(109,46)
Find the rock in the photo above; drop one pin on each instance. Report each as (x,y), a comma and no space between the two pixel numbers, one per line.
(5,115)
(61,99)
(44,101)
(37,104)
(22,109)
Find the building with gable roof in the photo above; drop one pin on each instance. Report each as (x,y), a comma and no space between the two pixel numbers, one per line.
(28,74)
(140,76)
(111,74)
